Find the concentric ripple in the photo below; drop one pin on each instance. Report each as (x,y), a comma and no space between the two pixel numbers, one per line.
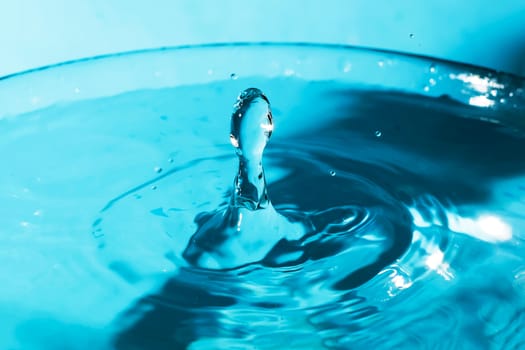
(361,229)
(417,227)
(396,239)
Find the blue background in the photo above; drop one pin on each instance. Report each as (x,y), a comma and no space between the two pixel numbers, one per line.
(488,33)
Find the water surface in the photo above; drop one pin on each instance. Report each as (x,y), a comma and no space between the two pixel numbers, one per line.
(420,202)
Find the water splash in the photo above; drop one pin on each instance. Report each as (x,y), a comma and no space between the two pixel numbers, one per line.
(249,227)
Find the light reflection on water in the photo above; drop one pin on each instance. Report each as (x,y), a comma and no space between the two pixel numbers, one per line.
(434,192)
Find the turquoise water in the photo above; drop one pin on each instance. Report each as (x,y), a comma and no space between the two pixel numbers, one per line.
(419,202)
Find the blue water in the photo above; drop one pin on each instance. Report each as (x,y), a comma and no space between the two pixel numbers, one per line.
(419,205)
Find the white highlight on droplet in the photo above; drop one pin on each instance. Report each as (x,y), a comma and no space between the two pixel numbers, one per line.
(266,127)
(234,141)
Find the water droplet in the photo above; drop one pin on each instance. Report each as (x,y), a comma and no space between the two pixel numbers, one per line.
(432,68)
(332,173)
(432,81)
(251,125)
(411,36)
(157,169)
(234,141)
(378,133)
(154,187)
(233,76)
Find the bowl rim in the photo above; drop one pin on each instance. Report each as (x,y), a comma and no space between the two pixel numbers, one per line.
(456,64)
(354,66)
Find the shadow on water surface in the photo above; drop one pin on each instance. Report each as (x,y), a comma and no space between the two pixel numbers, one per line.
(438,145)
(423,147)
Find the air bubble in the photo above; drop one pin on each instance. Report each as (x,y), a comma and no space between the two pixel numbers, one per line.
(234,76)
(381,63)
(157,169)
(411,35)
(154,187)
(378,133)
(432,68)
(170,160)
(332,173)
(426,89)
(432,81)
